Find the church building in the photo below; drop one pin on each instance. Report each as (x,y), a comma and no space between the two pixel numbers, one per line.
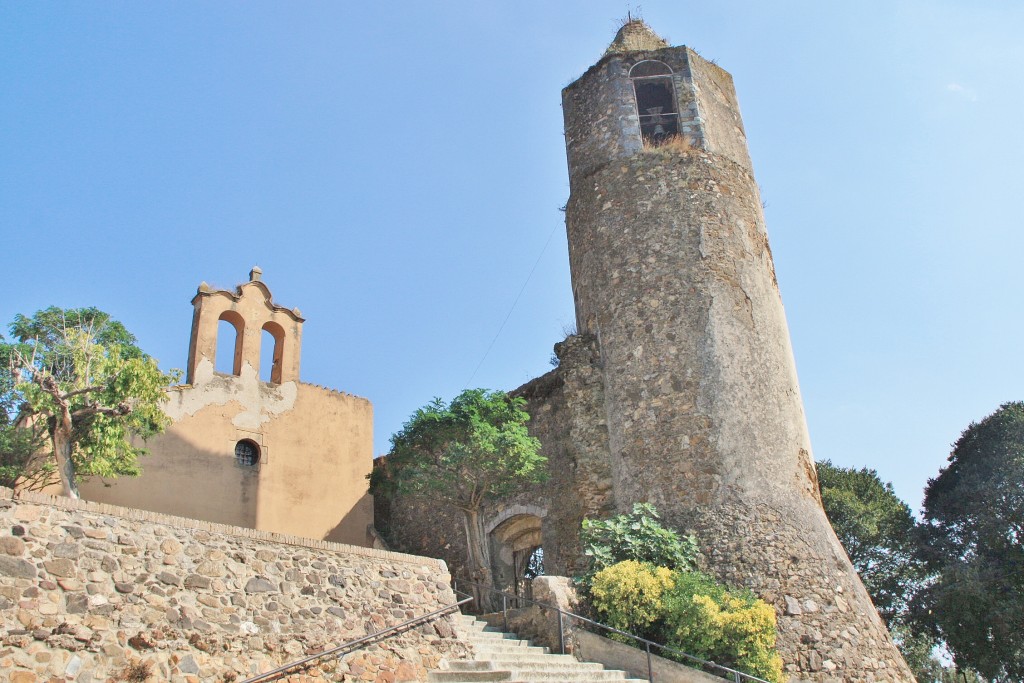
(254,446)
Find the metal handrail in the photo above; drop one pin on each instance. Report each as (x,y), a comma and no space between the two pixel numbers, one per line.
(345,648)
(737,676)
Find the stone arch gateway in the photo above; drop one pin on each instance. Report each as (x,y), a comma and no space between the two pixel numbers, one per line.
(515,535)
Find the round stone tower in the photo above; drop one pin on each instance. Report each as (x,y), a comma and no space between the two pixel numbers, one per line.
(673,275)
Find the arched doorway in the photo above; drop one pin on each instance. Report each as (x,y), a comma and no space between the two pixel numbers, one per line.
(517,553)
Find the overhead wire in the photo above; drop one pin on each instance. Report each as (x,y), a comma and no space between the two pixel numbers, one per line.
(513,307)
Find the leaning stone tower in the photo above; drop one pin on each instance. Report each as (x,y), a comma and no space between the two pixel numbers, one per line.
(673,276)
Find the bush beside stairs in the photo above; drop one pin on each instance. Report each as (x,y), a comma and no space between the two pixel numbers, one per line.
(503,657)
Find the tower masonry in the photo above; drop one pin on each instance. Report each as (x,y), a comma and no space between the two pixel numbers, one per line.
(680,387)
(672,276)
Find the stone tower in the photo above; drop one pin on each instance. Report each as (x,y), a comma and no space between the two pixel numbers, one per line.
(673,276)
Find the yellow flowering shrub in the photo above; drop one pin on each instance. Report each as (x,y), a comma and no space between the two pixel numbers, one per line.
(732,628)
(628,595)
(685,610)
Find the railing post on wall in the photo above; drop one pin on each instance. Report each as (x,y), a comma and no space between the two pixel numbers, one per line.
(650,668)
(504,610)
(561,633)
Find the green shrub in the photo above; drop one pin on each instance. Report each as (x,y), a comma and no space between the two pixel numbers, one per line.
(628,595)
(643,580)
(733,628)
(637,536)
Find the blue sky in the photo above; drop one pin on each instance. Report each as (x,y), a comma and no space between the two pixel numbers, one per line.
(396,169)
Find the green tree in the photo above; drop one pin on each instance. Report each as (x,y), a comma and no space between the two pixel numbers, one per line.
(637,535)
(974,527)
(460,455)
(882,539)
(20,466)
(877,529)
(77,379)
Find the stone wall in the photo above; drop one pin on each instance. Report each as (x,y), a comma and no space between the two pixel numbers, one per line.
(566,409)
(89,591)
(713,98)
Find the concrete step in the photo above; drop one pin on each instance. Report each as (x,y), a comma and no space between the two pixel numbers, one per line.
(496,636)
(514,664)
(499,642)
(502,657)
(575,676)
(491,645)
(483,675)
(493,635)
(454,676)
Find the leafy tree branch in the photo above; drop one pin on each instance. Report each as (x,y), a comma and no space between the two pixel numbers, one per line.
(78,377)
(460,455)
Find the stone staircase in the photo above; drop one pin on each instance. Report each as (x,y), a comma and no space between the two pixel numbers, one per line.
(502,657)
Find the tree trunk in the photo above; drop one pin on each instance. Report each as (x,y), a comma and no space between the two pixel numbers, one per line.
(62,445)
(479,557)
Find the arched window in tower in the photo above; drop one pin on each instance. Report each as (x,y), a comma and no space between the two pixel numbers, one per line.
(228,357)
(655,100)
(271,352)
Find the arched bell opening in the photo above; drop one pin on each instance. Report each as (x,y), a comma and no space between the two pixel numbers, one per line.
(517,554)
(271,352)
(230,333)
(655,101)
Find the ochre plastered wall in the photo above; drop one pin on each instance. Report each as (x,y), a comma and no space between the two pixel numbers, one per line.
(315,444)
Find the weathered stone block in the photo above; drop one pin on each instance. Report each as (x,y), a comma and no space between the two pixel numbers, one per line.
(260,585)
(77,603)
(17,568)
(67,550)
(197,581)
(11,545)
(60,568)
(169,578)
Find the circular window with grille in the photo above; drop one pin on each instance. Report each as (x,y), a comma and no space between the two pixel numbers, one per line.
(247,453)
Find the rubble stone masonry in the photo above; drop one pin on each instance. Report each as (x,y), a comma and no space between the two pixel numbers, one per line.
(673,276)
(89,590)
